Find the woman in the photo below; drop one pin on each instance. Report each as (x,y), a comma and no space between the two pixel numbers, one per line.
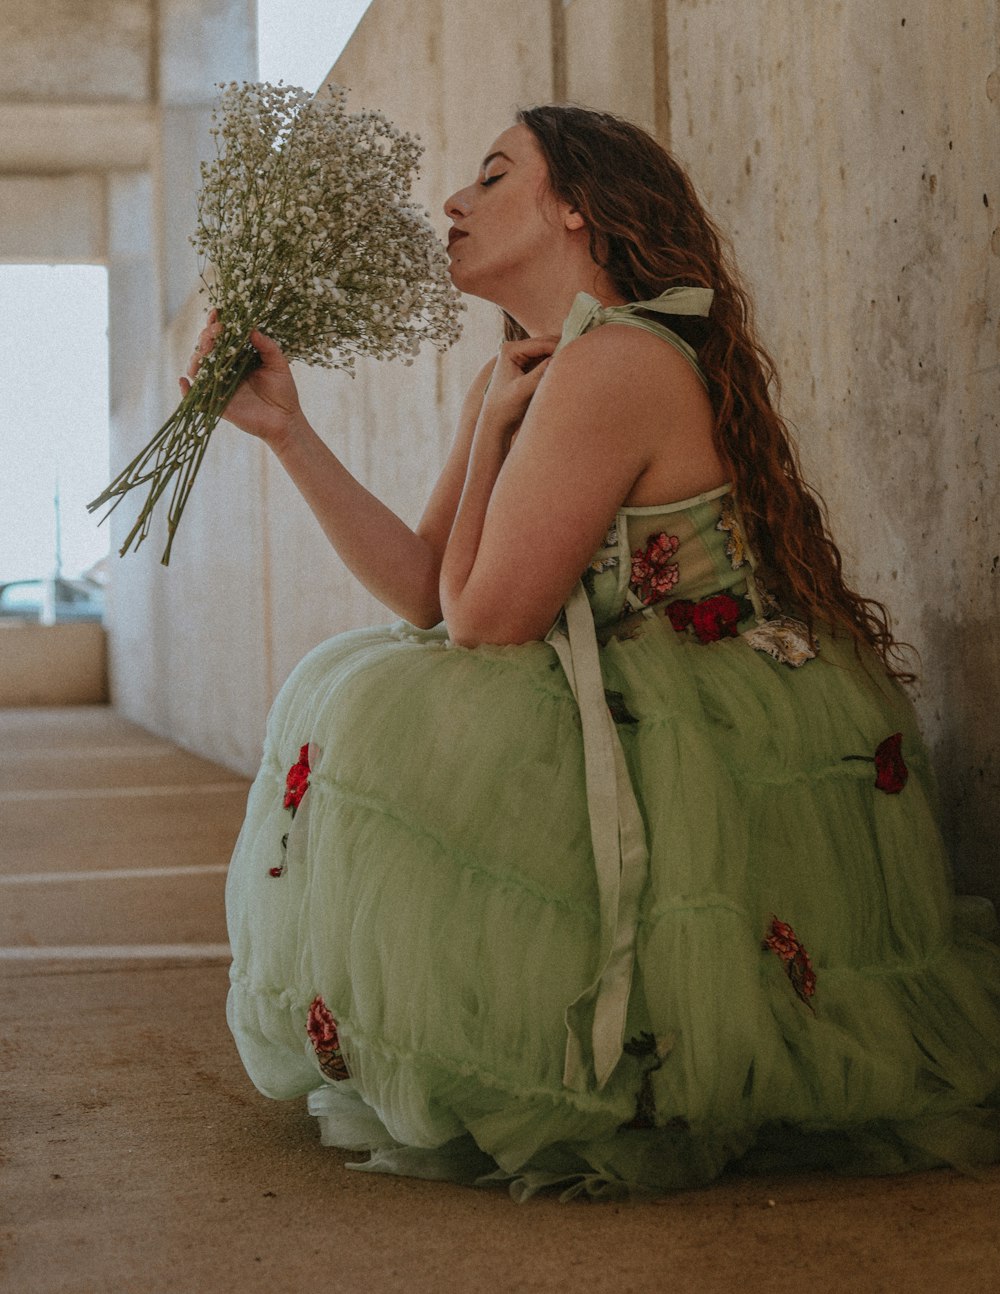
(607,881)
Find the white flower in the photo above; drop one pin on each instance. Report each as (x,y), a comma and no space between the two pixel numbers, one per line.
(307,232)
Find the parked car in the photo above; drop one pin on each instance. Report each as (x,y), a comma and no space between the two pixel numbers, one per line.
(73,599)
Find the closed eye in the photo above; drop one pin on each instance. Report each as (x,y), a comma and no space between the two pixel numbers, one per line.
(485,184)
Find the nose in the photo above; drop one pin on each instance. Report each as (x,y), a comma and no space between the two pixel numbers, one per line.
(458,205)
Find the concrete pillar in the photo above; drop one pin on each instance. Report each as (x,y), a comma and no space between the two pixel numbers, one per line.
(616,59)
(200,43)
(52,219)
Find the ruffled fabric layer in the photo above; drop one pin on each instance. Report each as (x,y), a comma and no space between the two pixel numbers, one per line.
(437,893)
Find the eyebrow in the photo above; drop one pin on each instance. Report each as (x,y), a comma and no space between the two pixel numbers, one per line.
(486,160)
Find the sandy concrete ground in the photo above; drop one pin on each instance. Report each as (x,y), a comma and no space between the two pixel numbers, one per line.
(139,1158)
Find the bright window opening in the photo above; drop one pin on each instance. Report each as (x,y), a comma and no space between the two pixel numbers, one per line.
(300,40)
(53,436)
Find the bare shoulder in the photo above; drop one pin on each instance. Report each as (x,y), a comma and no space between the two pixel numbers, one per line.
(635,394)
(623,355)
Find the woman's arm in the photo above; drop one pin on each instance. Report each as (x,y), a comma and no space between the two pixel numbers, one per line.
(399,566)
(610,406)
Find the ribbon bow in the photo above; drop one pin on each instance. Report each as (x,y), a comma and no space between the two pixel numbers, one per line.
(586,312)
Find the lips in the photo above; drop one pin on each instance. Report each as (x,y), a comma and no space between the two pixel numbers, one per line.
(455,234)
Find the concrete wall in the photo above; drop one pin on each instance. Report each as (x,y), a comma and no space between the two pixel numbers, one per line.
(851,153)
(199,649)
(64,664)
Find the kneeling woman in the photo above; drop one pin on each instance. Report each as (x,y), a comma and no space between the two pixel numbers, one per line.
(613,862)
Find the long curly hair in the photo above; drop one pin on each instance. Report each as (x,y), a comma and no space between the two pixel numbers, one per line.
(649,231)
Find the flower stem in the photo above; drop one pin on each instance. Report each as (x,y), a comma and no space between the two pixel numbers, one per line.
(178,447)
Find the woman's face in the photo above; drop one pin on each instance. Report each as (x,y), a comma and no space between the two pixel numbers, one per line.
(507,220)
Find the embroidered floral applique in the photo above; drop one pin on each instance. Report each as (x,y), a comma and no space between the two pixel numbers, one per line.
(770,607)
(891,773)
(645,1047)
(716,617)
(785,639)
(619,710)
(729,524)
(712,618)
(606,560)
(782,940)
(296,785)
(297,781)
(680,614)
(322,1030)
(653,573)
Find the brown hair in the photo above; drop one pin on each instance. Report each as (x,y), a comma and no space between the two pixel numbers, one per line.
(650,232)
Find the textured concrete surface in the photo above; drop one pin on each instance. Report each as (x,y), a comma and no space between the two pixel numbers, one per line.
(853,159)
(138,1159)
(61,664)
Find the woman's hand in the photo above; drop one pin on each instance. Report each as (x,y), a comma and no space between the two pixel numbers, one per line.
(517,372)
(266,403)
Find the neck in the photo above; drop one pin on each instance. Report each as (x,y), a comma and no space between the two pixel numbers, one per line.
(541,305)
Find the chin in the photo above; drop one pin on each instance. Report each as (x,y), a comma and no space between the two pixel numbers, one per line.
(471,286)
(459,276)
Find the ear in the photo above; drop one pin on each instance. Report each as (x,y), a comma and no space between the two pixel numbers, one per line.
(573,219)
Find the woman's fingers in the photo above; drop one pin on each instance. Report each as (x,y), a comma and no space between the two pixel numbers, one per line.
(271,354)
(204,344)
(528,351)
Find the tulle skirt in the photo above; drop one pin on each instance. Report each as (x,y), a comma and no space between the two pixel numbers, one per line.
(412,907)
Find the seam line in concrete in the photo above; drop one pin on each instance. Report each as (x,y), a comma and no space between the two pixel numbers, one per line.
(114,874)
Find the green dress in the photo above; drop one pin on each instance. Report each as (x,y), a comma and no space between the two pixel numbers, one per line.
(662,894)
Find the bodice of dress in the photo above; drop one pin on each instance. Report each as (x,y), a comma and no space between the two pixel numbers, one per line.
(659,556)
(669,553)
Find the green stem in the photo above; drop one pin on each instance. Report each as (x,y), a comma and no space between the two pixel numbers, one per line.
(178,447)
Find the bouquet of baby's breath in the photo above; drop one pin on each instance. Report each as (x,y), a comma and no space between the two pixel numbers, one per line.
(307,232)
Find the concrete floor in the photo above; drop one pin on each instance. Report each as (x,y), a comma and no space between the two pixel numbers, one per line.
(139,1158)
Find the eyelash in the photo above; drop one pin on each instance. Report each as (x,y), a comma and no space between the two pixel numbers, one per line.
(485,184)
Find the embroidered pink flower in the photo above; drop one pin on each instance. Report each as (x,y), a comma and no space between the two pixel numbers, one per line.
(891,772)
(716,617)
(297,781)
(782,940)
(653,573)
(322,1030)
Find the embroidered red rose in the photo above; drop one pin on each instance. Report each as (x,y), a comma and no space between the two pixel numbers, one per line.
(653,573)
(890,769)
(296,785)
(782,940)
(297,781)
(322,1030)
(716,617)
(679,613)
(891,772)
(321,1026)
